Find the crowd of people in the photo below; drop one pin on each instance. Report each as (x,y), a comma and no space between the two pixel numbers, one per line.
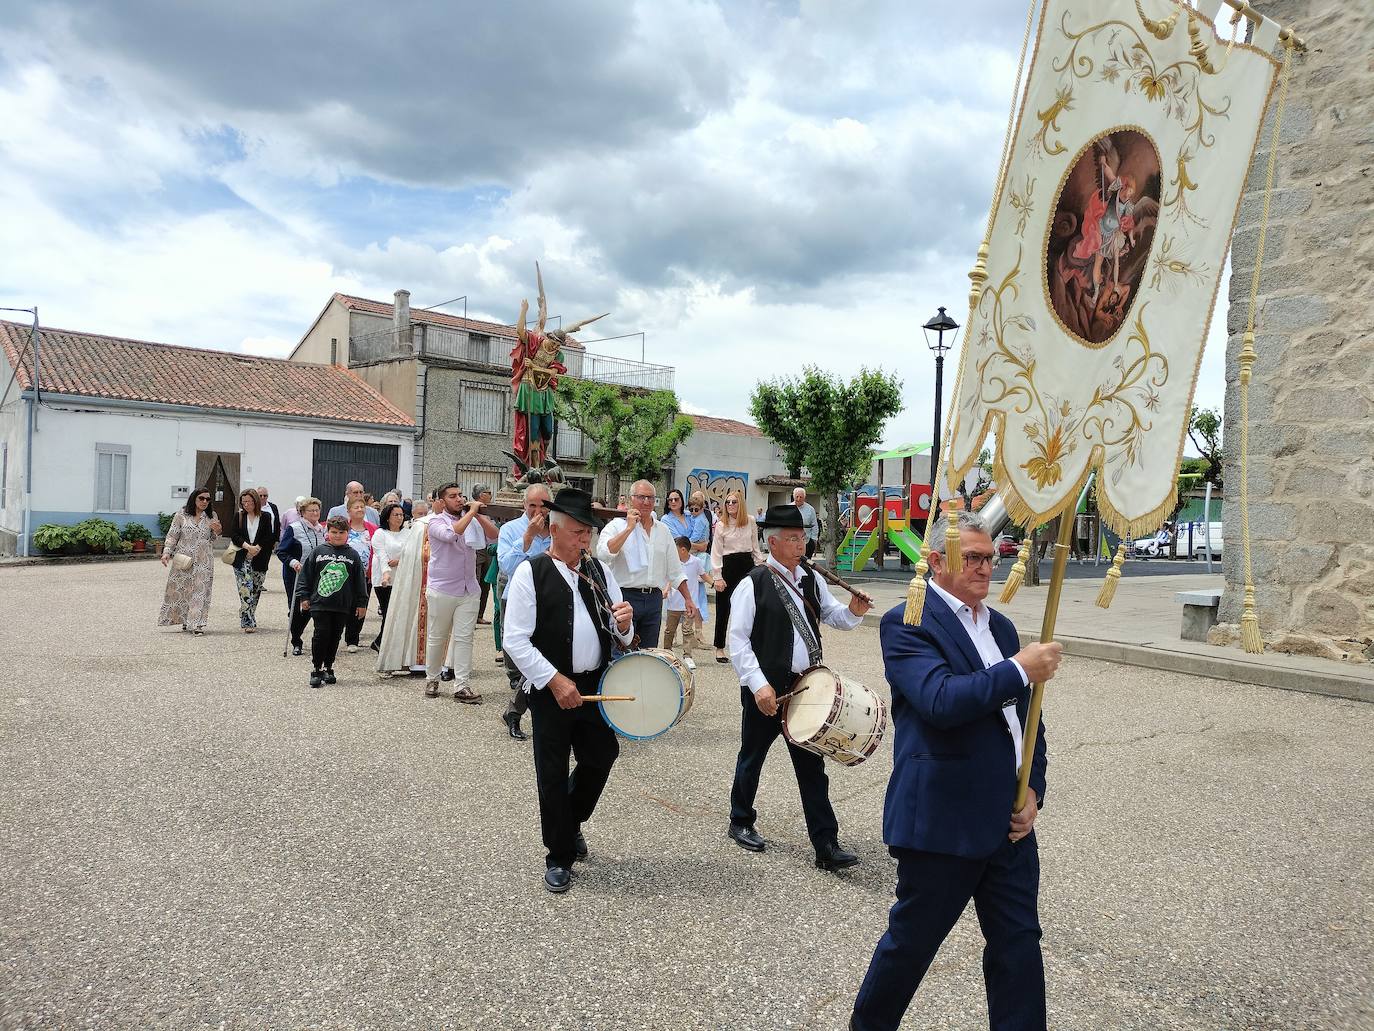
(571,595)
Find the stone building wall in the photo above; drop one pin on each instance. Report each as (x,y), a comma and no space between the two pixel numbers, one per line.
(1311,480)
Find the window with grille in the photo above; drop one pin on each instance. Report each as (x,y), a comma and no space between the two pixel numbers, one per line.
(482,408)
(479,348)
(469,476)
(572,442)
(111,478)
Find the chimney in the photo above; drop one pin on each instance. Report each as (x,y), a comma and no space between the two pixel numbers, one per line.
(400,320)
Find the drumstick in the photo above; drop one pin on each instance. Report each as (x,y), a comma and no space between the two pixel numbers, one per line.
(608,698)
(838,581)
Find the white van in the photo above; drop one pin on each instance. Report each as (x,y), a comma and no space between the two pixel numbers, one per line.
(1200,539)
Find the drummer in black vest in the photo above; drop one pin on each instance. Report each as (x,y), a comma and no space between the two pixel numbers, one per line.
(563,613)
(774,636)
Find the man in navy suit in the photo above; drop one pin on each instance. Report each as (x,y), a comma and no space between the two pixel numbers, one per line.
(960,689)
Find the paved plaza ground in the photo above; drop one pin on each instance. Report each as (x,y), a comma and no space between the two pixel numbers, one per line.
(189,837)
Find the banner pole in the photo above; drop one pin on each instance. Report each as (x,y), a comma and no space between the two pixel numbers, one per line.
(1032,728)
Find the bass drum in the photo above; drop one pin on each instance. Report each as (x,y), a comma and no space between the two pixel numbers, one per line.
(834,716)
(662,687)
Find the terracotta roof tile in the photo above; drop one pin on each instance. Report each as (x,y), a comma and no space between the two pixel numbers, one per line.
(94,365)
(708,424)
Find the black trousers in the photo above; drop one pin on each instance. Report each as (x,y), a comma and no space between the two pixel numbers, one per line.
(932,891)
(757,734)
(299,617)
(383,600)
(733,568)
(353,631)
(324,644)
(567,800)
(288,580)
(482,582)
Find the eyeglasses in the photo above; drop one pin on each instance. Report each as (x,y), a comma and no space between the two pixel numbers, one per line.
(645,497)
(732,502)
(694,508)
(203,497)
(973,558)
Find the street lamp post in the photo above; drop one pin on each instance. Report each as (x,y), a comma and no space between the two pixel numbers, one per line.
(940,324)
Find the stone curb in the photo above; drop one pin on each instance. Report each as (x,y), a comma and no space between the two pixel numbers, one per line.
(1221,666)
(70,560)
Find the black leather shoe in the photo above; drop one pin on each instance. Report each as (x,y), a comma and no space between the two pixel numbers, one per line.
(376,645)
(296,649)
(580,846)
(446,674)
(329,677)
(557,880)
(512,720)
(316,678)
(829,856)
(746,838)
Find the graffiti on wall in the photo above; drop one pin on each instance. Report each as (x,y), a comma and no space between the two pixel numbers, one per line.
(716,483)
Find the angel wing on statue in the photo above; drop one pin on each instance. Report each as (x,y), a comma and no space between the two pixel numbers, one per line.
(536,363)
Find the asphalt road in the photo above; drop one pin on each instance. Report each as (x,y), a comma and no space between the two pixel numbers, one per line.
(189,837)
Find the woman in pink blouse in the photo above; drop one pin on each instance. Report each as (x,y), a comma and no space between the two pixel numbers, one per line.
(734,552)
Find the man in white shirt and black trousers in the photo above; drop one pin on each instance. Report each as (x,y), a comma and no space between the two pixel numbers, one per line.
(563,613)
(774,637)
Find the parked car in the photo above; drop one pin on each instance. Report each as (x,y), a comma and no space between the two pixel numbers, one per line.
(1152,547)
(1006,546)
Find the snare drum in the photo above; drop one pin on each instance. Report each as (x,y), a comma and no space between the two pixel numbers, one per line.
(663,690)
(834,716)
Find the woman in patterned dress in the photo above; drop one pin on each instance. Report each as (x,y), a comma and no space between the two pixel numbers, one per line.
(192,533)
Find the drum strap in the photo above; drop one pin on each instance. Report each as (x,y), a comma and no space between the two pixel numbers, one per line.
(790,597)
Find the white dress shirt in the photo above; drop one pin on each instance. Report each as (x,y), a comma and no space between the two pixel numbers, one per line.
(980,633)
(631,566)
(742,608)
(518,617)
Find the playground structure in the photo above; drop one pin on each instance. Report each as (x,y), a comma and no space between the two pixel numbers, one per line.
(881,515)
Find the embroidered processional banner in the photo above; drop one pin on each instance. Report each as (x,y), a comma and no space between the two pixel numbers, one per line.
(1128,158)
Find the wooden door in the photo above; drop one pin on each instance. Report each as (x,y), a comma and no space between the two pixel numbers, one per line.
(219,472)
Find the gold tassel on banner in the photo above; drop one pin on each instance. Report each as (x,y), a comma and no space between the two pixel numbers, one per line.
(1017,574)
(954,555)
(916,591)
(1108,591)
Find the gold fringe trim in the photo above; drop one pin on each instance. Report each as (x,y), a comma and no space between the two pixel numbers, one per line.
(1250,638)
(916,592)
(1017,574)
(1108,591)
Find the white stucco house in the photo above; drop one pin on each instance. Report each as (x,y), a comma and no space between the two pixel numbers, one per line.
(124,429)
(725,454)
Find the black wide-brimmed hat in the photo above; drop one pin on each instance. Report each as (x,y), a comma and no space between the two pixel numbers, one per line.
(578,504)
(782,517)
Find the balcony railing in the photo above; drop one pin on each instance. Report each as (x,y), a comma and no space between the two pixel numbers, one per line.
(443,343)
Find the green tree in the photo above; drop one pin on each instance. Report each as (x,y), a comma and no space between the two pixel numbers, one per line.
(633,434)
(838,424)
(1204,430)
(777,409)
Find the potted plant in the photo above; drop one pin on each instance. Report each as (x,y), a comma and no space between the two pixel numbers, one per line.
(136,534)
(164,523)
(53,538)
(100,535)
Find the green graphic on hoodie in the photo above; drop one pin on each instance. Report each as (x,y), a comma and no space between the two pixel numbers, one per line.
(332,577)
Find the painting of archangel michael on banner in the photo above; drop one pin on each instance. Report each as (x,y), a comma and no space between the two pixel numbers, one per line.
(1109,232)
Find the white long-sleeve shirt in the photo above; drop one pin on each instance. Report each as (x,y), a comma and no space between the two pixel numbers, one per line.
(663,567)
(742,607)
(518,618)
(981,636)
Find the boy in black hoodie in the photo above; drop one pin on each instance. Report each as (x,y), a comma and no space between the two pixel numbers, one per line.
(335,588)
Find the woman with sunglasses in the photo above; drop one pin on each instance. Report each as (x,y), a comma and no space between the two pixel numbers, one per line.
(190,552)
(734,553)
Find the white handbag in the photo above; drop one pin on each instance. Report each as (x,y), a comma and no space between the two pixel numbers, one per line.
(182,563)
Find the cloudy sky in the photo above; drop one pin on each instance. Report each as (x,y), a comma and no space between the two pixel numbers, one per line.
(754,186)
